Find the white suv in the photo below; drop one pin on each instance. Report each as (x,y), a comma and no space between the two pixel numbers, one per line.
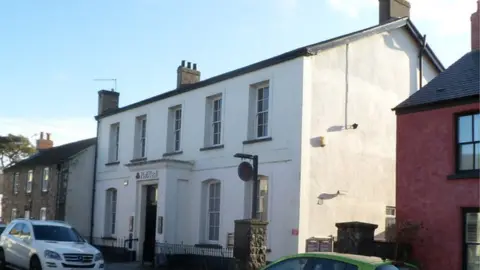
(35,244)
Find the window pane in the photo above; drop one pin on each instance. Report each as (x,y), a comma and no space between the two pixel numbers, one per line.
(476,127)
(473,257)
(217,190)
(465,129)
(477,156)
(266,93)
(472,228)
(466,157)
(291,264)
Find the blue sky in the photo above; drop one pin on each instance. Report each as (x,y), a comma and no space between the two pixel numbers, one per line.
(53,50)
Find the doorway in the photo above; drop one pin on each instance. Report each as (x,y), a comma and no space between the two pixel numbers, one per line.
(150,223)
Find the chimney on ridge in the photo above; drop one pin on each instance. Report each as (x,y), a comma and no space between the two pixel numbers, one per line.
(393,9)
(44,143)
(475,27)
(187,74)
(107,100)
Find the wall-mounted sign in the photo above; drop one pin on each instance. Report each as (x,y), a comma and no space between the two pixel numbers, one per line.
(160,225)
(319,245)
(245,171)
(130,223)
(147,175)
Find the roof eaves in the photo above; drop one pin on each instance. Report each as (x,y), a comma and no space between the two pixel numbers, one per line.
(406,109)
(303,51)
(351,37)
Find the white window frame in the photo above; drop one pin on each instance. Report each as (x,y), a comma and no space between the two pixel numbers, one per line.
(114,142)
(28,187)
(210,212)
(45,178)
(111,212)
(263,112)
(27,214)
(15,181)
(140,146)
(13,214)
(43,213)
(177,129)
(216,138)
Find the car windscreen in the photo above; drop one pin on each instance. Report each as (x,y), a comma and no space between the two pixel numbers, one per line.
(56,233)
(393,267)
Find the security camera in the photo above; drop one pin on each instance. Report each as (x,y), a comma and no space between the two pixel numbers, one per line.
(354,126)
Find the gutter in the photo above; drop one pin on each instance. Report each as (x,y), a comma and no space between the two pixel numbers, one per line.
(92,210)
(420,61)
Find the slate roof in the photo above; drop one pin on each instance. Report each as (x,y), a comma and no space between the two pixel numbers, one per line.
(461,80)
(303,51)
(54,155)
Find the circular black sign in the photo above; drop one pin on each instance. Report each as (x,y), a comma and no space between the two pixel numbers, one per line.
(245,171)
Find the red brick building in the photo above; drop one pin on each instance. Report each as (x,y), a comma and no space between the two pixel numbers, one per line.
(438,160)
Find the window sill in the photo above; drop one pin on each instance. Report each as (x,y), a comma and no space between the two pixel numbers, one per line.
(138,160)
(220,146)
(112,163)
(266,139)
(173,153)
(109,238)
(465,175)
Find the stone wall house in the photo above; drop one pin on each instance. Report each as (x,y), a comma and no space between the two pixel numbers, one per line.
(40,186)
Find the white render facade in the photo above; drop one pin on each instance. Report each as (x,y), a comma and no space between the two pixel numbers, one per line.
(306,147)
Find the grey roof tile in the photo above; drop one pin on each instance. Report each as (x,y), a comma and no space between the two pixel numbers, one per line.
(460,80)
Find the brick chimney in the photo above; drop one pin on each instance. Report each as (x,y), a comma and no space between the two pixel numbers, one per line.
(107,100)
(44,143)
(475,35)
(187,74)
(393,9)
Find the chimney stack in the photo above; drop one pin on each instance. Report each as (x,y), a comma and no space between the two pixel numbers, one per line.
(43,143)
(107,101)
(475,28)
(187,74)
(393,9)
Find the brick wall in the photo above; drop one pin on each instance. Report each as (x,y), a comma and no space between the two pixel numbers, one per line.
(37,196)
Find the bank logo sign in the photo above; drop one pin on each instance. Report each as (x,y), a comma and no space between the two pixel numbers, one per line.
(147,175)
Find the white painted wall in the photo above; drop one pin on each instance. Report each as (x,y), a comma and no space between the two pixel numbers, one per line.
(279,158)
(308,97)
(79,193)
(382,72)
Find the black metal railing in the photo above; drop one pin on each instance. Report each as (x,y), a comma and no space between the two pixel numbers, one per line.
(194,256)
(119,249)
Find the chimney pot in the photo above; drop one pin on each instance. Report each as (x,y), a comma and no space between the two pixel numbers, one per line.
(475,28)
(187,75)
(393,9)
(48,136)
(107,100)
(41,135)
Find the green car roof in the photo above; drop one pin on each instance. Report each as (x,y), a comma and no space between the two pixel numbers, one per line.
(348,258)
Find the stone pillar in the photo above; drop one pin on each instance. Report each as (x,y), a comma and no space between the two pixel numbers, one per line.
(249,248)
(351,235)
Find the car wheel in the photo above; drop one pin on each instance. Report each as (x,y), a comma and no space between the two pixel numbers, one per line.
(35,264)
(3,263)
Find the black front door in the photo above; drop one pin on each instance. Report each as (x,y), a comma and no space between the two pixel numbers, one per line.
(150,224)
